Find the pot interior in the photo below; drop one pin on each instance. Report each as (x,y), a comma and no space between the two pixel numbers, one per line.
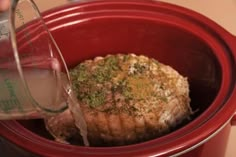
(170,44)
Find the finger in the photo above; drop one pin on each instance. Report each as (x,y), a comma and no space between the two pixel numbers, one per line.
(4,5)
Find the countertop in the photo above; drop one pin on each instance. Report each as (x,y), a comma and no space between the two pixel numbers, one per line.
(222,12)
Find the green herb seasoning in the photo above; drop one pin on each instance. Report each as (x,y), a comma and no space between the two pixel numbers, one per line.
(121,81)
(82,73)
(94,98)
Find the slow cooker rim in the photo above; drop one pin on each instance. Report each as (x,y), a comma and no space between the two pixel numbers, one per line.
(224,109)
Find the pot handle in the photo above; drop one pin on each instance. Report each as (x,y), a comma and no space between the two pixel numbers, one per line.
(233,120)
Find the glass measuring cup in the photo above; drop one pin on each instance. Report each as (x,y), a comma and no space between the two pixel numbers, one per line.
(33,75)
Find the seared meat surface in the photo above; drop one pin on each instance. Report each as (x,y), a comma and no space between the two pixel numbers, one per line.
(125,99)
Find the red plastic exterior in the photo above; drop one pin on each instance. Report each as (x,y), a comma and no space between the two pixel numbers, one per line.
(194,45)
(215,147)
(233,121)
(233,41)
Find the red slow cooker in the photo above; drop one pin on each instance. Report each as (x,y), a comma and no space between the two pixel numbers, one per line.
(194,45)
